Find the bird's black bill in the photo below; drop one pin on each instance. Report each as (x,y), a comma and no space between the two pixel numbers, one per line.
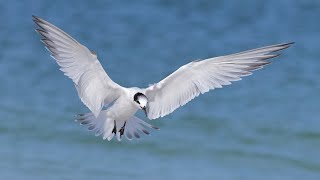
(145,111)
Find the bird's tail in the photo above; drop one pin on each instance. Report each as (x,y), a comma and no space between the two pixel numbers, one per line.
(107,127)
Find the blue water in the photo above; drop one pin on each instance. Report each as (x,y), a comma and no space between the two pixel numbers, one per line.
(264,127)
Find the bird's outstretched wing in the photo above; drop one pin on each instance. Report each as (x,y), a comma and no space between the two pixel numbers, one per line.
(94,86)
(201,76)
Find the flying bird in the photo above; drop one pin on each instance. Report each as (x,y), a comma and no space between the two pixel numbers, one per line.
(113,107)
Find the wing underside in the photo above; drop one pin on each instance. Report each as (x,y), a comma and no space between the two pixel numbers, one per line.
(94,86)
(199,77)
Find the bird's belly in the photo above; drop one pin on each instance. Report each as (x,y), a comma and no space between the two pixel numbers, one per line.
(122,111)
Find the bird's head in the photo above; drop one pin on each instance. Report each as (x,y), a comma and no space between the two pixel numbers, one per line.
(141,101)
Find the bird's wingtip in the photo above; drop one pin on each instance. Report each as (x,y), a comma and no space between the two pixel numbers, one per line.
(289,43)
(34,17)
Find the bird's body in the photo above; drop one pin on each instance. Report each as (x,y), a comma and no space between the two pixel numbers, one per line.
(117,116)
(125,103)
(97,91)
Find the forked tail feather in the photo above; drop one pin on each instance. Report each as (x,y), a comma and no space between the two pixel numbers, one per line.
(107,127)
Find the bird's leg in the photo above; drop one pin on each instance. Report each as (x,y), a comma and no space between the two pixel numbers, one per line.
(114,128)
(122,129)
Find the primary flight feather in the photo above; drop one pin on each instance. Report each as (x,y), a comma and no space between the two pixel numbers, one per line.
(96,90)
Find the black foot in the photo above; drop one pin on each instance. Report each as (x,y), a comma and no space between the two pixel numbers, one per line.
(114,131)
(121,130)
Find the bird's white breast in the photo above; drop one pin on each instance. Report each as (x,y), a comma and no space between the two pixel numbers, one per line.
(123,109)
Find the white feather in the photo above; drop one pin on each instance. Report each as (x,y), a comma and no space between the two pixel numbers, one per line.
(94,86)
(103,125)
(198,77)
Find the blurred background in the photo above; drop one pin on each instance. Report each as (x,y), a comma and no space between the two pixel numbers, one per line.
(264,127)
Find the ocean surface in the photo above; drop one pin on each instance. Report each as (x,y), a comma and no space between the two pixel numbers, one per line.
(264,127)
